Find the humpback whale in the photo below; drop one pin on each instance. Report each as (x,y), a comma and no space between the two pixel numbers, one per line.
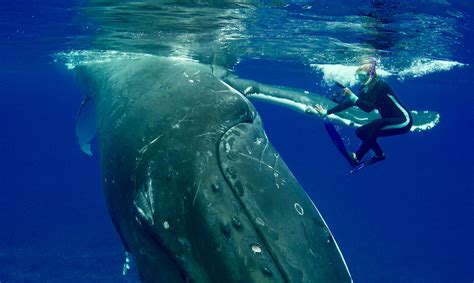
(194,188)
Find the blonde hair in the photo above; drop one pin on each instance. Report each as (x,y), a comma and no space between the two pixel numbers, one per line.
(369,69)
(365,68)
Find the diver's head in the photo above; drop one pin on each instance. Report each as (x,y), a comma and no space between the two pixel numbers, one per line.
(363,74)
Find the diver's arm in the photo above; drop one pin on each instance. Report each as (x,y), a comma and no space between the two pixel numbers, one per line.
(349,94)
(352,99)
(340,107)
(376,96)
(364,105)
(361,103)
(367,102)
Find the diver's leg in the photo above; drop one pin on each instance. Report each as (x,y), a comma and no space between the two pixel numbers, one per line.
(363,149)
(368,135)
(394,132)
(377,149)
(363,134)
(383,132)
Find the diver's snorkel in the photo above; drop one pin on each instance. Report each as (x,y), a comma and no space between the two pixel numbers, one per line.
(371,72)
(373,64)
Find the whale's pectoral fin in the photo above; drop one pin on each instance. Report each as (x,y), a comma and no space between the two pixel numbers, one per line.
(424,120)
(303,102)
(293,232)
(86,124)
(354,117)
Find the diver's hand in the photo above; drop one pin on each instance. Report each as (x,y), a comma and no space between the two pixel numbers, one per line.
(321,111)
(348,92)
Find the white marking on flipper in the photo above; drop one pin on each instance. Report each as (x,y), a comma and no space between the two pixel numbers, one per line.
(197,191)
(145,147)
(255,159)
(176,126)
(299,209)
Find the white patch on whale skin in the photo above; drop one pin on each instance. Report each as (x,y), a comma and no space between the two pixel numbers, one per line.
(299,209)
(260,221)
(145,147)
(256,249)
(144,202)
(426,126)
(247,89)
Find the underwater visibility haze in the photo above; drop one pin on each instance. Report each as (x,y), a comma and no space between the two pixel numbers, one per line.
(174,140)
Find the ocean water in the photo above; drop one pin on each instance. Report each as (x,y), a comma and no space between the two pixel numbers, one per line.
(408,219)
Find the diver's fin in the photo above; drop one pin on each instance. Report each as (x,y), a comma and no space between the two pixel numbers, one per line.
(363,164)
(86,125)
(338,142)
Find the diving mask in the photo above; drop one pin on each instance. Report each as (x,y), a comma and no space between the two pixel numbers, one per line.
(362,76)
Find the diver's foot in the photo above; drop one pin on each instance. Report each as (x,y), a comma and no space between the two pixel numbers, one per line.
(354,160)
(379,157)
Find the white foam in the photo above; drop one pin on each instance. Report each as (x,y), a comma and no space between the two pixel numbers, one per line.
(424,66)
(341,73)
(419,67)
(86,57)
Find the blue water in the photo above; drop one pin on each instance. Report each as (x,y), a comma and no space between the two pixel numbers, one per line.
(409,219)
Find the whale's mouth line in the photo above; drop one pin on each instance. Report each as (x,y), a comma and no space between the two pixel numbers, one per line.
(244,208)
(229,184)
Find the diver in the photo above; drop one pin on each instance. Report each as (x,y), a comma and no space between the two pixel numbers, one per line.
(374,93)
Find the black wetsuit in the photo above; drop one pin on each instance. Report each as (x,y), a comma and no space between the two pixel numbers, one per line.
(395,119)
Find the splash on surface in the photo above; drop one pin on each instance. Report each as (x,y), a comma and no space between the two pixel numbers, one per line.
(420,67)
